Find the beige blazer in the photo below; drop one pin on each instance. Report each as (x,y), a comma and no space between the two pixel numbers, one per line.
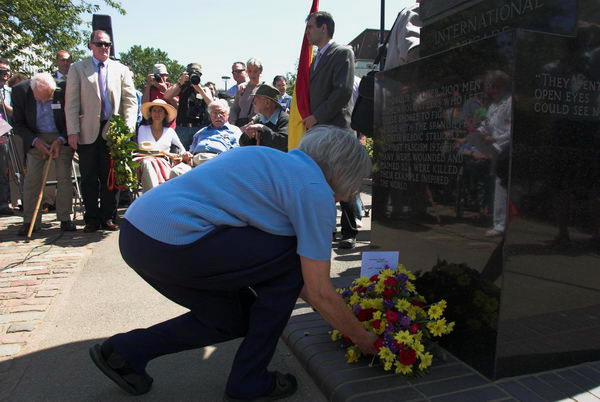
(82,98)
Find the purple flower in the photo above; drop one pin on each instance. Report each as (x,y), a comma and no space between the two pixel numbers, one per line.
(405,321)
(347,293)
(388,304)
(356,309)
(370,288)
(402,278)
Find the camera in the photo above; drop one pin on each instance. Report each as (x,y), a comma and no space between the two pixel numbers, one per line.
(157,78)
(195,78)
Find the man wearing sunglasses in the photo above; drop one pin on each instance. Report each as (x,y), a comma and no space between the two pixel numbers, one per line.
(239,74)
(97,89)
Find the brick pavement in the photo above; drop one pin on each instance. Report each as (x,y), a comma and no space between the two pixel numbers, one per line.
(33,275)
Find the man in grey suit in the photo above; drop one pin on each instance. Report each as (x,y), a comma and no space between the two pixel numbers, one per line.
(331,81)
(97,89)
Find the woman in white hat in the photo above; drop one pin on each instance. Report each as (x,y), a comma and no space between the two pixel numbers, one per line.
(156,135)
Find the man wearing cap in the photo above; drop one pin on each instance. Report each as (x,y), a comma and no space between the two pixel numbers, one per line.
(98,88)
(156,84)
(192,112)
(270,126)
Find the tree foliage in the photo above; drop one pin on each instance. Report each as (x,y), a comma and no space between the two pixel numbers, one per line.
(33,30)
(140,61)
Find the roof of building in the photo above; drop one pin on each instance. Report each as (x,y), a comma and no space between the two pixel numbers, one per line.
(365,44)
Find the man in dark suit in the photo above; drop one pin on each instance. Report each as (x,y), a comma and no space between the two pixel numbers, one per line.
(39,119)
(331,81)
(97,89)
(63,62)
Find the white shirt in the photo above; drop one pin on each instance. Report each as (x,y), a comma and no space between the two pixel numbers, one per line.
(169,137)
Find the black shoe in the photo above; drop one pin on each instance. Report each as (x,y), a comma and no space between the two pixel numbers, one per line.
(24,229)
(285,385)
(114,366)
(6,211)
(91,227)
(109,225)
(68,226)
(347,243)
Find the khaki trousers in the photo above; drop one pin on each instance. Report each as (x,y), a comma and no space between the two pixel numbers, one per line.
(34,176)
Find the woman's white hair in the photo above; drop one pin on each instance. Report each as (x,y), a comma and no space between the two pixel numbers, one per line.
(218,102)
(342,158)
(42,80)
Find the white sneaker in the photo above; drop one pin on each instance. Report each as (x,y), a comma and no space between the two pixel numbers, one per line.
(358,223)
(493,233)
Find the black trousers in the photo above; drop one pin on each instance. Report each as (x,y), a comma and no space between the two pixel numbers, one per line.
(237,282)
(348,220)
(94,164)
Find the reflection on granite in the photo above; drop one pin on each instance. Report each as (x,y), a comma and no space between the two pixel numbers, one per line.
(490,17)
(524,216)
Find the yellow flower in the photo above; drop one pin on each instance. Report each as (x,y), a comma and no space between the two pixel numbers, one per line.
(335,335)
(354,299)
(376,304)
(387,366)
(450,327)
(377,315)
(402,369)
(418,336)
(385,273)
(402,305)
(435,312)
(386,354)
(363,281)
(411,287)
(437,328)
(352,354)
(379,287)
(426,360)
(418,346)
(412,312)
(404,337)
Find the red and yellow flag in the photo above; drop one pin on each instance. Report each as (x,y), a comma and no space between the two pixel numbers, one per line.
(301,99)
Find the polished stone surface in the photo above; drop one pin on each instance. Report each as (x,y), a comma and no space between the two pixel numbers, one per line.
(490,17)
(528,295)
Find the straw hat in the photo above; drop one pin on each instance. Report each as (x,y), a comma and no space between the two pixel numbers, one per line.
(171,112)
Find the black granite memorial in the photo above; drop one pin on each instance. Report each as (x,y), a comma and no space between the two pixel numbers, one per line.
(487,180)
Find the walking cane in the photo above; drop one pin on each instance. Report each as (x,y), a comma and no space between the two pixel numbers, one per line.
(40,197)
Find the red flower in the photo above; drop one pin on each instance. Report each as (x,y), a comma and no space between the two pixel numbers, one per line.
(376,324)
(389,293)
(391,316)
(374,278)
(414,328)
(407,357)
(378,344)
(399,346)
(417,303)
(391,281)
(366,314)
(361,290)
(347,340)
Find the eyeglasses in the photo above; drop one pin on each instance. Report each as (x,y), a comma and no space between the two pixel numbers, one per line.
(102,44)
(3,71)
(218,113)
(238,71)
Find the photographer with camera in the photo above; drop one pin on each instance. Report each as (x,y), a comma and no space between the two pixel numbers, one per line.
(192,113)
(156,84)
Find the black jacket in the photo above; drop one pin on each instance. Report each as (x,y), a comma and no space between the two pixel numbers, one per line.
(272,135)
(25,112)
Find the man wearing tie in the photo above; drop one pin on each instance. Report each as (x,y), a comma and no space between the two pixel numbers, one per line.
(331,82)
(97,89)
